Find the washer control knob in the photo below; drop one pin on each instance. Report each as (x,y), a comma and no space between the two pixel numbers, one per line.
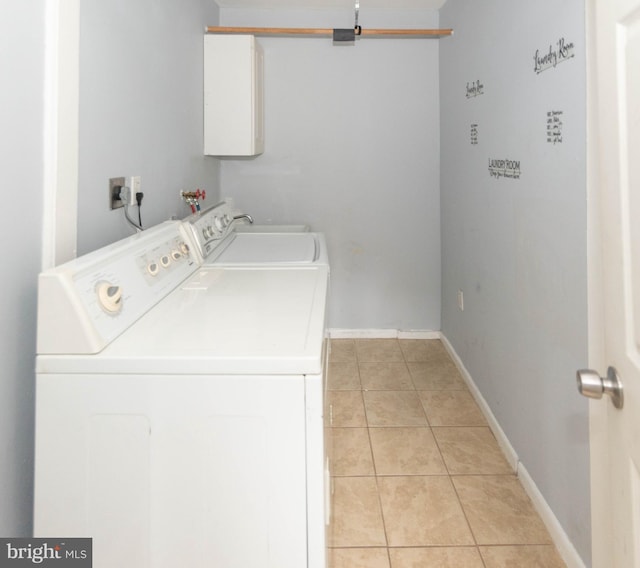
(176,254)
(218,223)
(109,297)
(184,248)
(152,268)
(165,260)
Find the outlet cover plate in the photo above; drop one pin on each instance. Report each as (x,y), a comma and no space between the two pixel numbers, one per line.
(114,192)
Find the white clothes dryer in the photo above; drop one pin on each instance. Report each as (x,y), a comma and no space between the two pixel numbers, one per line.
(179,408)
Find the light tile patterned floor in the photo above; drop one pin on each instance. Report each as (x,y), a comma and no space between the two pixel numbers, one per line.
(418,478)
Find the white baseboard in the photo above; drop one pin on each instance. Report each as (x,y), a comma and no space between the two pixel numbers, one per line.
(501,437)
(565,548)
(382,334)
(415,334)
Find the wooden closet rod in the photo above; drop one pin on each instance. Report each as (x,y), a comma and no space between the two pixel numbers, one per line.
(327,32)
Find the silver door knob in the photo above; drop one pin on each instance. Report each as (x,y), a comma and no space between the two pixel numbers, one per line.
(591,385)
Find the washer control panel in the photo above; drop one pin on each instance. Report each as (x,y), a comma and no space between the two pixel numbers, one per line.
(86,303)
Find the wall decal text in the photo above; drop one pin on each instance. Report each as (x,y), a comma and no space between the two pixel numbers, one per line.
(474,134)
(475,89)
(561,52)
(554,127)
(504,168)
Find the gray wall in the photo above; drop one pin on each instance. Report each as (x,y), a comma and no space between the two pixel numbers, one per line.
(352,149)
(21,148)
(141,110)
(517,247)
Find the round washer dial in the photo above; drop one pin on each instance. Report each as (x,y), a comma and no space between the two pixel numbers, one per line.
(109,297)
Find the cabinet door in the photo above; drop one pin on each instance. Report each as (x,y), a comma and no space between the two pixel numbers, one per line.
(233,97)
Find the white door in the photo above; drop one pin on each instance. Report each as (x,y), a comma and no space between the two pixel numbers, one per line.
(614,276)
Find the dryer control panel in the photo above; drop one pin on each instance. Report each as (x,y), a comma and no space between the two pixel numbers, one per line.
(86,303)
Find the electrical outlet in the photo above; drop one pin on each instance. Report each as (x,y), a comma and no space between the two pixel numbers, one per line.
(461,300)
(115,185)
(136,186)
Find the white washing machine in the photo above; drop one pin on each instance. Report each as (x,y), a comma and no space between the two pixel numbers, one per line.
(214,239)
(179,408)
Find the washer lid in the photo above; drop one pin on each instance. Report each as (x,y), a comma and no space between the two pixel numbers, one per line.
(254,248)
(222,320)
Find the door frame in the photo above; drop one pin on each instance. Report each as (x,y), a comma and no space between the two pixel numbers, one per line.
(61,131)
(601,525)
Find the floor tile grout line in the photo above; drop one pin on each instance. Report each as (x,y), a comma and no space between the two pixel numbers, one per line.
(464,512)
(444,474)
(444,461)
(481,556)
(375,471)
(384,522)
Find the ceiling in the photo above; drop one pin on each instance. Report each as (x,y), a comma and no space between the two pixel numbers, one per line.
(321,4)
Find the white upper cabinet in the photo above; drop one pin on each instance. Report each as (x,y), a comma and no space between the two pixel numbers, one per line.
(233,96)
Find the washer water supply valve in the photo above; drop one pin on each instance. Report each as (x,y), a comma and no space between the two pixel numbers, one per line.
(193,198)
